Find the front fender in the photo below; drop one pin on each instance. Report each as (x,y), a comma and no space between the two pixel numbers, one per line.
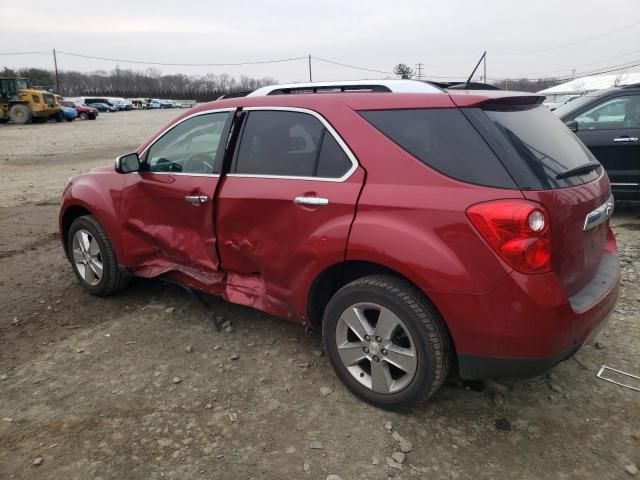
(100,195)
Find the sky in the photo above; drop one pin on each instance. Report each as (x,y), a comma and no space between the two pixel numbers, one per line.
(545,38)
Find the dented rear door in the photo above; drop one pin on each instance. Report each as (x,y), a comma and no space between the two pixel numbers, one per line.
(285,208)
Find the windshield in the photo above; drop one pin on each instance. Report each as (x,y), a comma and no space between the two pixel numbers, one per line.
(545,144)
(22,83)
(571,106)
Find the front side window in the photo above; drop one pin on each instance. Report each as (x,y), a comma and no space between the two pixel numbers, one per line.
(612,114)
(189,147)
(289,144)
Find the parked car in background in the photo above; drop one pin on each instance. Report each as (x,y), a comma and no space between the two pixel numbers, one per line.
(103,107)
(554,101)
(154,103)
(69,113)
(120,103)
(139,103)
(90,101)
(84,112)
(425,231)
(608,123)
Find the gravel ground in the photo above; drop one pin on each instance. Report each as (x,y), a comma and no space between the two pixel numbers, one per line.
(139,385)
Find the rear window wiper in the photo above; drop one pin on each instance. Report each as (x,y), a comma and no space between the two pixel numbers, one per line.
(584,168)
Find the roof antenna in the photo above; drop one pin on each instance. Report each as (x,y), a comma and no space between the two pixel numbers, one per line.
(466,86)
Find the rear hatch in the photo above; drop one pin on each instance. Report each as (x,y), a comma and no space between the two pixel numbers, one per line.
(550,166)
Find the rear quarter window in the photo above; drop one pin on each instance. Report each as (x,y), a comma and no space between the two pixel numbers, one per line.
(444,140)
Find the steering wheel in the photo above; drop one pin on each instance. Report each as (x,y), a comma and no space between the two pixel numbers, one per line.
(198,163)
(164,165)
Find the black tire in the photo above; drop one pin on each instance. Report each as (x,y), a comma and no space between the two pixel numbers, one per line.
(84,115)
(114,278)
(70,119)
(20,114)
(59,117)
(424,324)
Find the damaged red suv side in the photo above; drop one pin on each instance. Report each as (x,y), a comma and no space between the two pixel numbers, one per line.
(420,230)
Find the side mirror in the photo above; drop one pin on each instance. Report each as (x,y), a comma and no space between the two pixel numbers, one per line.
(128,163)
(572,125)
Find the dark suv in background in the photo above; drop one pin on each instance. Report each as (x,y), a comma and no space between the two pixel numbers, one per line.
(608,123)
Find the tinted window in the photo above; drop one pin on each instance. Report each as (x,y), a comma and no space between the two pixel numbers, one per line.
(189,147)
(333,162)
(446,141)
(290,144)
(544,144)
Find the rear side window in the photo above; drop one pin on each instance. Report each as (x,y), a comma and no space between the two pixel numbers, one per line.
(289,144)
(444,140)
(544,144)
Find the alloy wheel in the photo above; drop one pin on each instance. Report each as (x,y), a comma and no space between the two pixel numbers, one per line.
(87,257)
(376,348)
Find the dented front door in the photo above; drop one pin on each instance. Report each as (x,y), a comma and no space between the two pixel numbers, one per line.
(167,210)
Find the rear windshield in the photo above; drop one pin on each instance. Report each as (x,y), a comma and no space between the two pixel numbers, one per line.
(545,145)
(444,140)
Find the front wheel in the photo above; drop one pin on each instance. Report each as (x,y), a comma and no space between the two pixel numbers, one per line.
(93,259)
(83,115)
(386,342)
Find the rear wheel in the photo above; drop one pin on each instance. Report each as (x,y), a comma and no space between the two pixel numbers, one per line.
(386,342)
(20,114)
(93,259)
(84,115)
(58,117)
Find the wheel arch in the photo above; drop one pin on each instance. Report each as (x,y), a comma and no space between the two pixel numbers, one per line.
(68,216)
(334,277)
(78,209)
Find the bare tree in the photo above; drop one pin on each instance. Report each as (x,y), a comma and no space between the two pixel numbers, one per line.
(403,71)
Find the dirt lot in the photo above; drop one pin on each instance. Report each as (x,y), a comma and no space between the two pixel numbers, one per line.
(140,385)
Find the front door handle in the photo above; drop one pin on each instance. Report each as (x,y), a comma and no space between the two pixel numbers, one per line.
(197,199)
(314,201)
(626,139)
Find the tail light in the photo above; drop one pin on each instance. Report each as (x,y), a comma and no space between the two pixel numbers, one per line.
(518,230)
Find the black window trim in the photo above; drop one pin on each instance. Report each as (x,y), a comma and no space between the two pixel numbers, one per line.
(225,131)
(328,128)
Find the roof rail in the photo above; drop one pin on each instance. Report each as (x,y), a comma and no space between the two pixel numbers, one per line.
(233,95)
(348,86)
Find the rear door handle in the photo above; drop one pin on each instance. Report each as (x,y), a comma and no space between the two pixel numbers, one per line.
(626,139)
(315,201)
(197,199)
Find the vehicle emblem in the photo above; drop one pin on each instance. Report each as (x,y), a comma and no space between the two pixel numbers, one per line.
(599,215)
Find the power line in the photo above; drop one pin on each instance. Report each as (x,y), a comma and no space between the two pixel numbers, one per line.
(604,34)
(25,53)
(140,62)
(353,66)
(579,66)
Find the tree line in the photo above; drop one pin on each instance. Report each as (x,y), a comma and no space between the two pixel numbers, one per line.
(132,84)
(151,83)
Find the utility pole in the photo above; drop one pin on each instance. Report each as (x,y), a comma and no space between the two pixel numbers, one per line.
(419,69)
(310,77)
(484,67)
(55,64)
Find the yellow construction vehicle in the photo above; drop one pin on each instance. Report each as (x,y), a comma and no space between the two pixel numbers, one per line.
(22,104)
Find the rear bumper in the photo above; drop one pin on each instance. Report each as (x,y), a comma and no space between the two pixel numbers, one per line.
(527,324)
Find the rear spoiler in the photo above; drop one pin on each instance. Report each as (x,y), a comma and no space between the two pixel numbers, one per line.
(495,99)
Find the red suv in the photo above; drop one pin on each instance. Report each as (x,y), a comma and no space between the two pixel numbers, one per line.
(422,231)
